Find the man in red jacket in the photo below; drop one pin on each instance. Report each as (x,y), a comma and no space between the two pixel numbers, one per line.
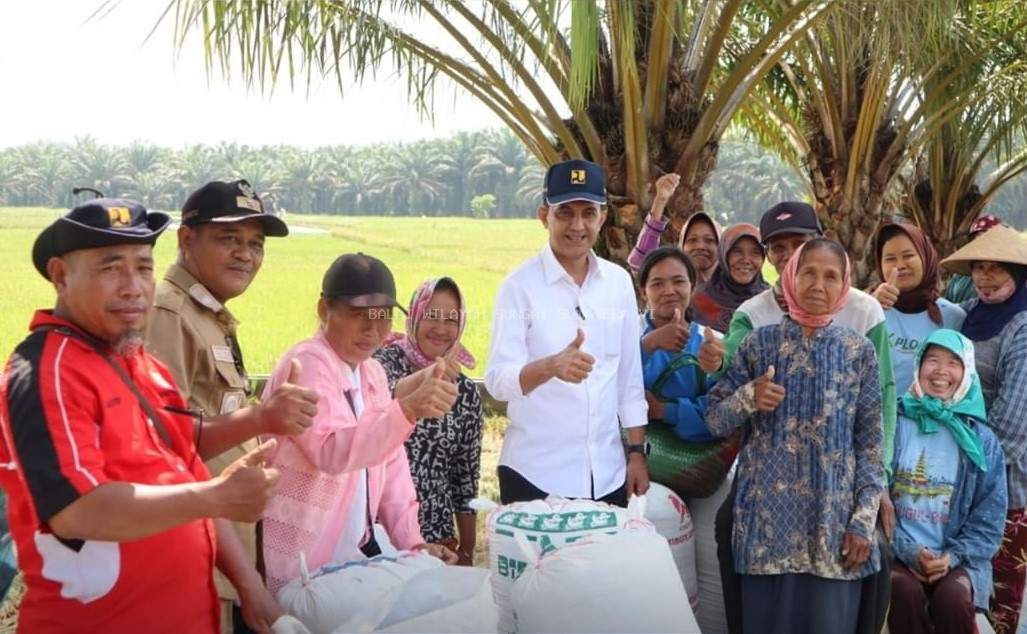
(116,520)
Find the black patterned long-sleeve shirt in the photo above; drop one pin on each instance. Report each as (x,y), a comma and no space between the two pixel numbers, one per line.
(444,453)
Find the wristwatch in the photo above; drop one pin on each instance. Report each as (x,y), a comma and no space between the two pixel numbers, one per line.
(642,449)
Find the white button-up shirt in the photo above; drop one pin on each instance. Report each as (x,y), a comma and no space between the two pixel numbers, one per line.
(563,437)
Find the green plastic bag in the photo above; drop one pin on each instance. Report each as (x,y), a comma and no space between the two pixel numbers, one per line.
(692,470)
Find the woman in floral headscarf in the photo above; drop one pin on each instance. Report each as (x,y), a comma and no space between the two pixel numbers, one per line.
(949,491)
(444,453)
(810,474)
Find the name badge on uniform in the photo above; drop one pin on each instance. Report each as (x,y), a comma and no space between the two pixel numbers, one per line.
(232,401)
(222,353)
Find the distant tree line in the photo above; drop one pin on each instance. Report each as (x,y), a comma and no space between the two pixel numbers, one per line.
(431,177)
(479,174)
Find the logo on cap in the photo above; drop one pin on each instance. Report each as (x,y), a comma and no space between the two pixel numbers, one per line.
(247,190)
(119,216)
(784,216)
(577,177)
(252,204)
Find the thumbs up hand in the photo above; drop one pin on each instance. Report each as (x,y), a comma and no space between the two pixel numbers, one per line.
(245,486)
(438,369)
(572,364)
(291,408)
(433,397)
(767,394)
(671,336)
(887,293)
(452,363)
(711,352)
(579,338)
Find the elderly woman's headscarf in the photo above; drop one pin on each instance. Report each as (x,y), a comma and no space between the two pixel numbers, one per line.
(416,313)
(967,401)
(789,285)
(925,295)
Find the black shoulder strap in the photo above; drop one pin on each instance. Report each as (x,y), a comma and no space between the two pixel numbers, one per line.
(148,409)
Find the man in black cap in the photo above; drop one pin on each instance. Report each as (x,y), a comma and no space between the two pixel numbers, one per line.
(783,229)
(114,518)
(565,356)
(220,251)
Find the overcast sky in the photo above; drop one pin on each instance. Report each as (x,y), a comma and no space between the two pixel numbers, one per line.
(63,75)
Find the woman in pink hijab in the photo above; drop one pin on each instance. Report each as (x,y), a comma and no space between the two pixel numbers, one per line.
(444,453)
(810,473)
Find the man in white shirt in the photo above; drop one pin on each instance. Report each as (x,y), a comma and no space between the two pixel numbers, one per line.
(565,356)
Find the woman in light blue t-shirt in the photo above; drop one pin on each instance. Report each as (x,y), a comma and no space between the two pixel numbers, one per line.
(949,491)
(907,265)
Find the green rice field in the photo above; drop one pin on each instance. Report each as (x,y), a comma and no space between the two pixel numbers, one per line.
(280,307)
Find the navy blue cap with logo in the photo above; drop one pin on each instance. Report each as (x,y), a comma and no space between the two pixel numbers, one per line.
(101,222)
(575,180)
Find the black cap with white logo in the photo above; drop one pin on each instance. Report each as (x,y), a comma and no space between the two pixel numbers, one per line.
(789,217)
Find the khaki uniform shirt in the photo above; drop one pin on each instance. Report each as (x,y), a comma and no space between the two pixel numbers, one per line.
(189,331)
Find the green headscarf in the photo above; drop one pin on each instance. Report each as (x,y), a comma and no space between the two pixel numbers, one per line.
(968,400)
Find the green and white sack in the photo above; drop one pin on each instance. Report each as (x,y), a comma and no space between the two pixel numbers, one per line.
(547,525)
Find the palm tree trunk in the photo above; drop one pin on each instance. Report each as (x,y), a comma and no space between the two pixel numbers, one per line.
(852,221)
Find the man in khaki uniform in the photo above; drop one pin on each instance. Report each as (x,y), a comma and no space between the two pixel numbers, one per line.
(220,251)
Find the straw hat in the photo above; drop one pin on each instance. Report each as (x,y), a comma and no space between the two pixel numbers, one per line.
(999,244)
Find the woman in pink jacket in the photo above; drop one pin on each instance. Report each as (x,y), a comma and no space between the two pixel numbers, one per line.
(349,469)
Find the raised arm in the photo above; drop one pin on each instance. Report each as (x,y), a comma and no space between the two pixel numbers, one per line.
(648,240)
(654,224)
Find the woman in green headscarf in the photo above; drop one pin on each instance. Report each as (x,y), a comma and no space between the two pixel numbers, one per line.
(949,491)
